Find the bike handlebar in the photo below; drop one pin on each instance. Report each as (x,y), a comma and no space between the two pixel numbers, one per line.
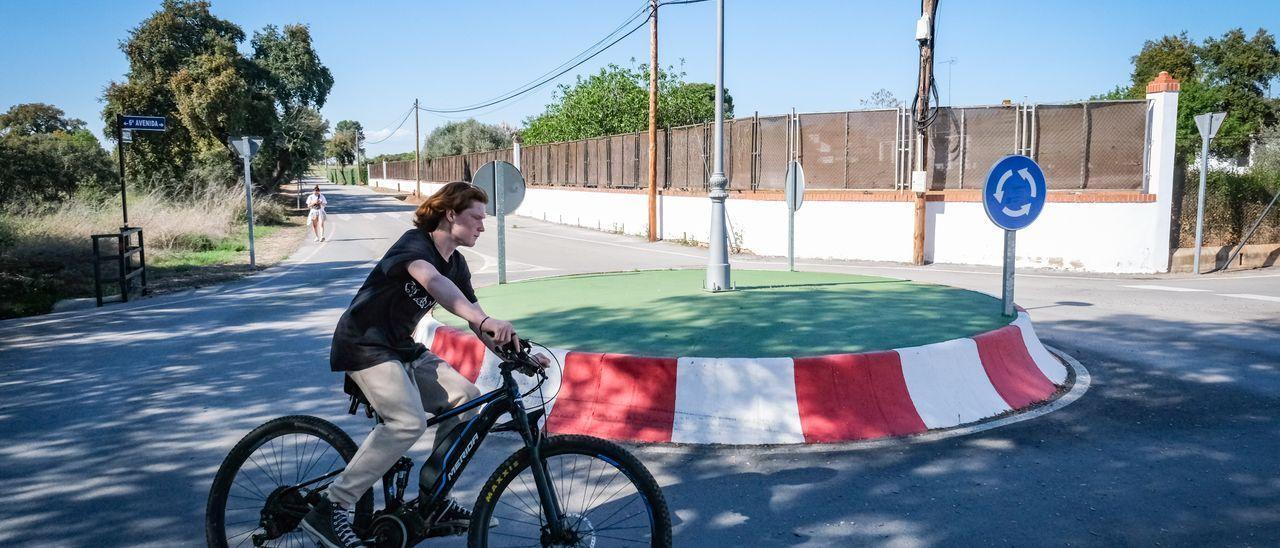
(517,355)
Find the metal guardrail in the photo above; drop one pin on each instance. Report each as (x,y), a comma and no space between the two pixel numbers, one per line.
(124,256)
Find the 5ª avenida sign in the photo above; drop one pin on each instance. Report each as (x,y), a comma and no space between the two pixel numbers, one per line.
(142,123)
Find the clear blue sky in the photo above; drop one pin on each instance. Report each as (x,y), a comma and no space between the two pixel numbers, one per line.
(814,56)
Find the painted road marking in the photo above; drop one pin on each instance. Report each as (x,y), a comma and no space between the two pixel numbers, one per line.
(1251,296)
(1163,288)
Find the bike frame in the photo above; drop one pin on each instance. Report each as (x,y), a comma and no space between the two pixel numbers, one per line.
(453,461)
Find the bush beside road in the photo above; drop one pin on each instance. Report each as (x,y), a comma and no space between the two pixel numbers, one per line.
(46,255)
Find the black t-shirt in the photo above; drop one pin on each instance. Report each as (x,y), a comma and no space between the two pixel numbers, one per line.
(378,326)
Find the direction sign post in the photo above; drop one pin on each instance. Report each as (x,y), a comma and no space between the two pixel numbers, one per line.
(247,147)
(504,185)
(795,197)
(1208,125)
(1013,197)
(126,124)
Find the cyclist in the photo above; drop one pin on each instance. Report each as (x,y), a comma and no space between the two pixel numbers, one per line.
(373,345)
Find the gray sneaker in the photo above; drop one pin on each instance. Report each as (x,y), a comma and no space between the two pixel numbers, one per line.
(329,523)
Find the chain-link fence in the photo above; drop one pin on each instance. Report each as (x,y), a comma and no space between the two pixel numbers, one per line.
(1081,146)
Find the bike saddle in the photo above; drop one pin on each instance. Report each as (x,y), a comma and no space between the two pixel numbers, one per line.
(357,397)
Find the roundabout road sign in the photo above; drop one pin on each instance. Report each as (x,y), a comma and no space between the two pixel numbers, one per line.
(1014,193)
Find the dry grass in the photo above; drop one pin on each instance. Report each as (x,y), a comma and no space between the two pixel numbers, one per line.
(47,255)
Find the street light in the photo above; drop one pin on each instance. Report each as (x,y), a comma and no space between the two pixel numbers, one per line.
(718,256)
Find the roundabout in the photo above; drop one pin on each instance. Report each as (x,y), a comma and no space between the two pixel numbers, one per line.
(790,357)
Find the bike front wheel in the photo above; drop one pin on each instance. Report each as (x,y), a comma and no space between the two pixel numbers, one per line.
(269,482)
(605,494)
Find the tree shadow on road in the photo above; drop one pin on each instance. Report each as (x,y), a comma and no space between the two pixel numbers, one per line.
(113,427)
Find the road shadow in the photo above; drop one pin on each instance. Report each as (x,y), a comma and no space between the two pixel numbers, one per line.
(121,451)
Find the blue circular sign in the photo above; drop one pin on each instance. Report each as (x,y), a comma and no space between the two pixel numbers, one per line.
(1014,193)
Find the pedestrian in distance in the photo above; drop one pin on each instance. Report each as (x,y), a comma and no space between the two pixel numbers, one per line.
(315,217)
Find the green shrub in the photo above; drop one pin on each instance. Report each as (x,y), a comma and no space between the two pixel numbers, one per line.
(1232,203)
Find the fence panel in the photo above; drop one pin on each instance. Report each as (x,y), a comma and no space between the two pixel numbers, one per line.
(1116,137)
(822,150)
(678,174)
(627,174)
(1060,142)
(699,157)
(738,158)
(944,139)
(989,136)
(615,160)
(597,169)
(1097,145)
(772,169)
(872,146)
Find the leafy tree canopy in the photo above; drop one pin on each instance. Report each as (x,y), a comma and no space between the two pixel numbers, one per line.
(615,100)
(465,137)
(184,64)
(33,118)
(1230,73)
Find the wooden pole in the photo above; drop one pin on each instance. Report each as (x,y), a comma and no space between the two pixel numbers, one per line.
(417,154)
(928,8)
(653,121)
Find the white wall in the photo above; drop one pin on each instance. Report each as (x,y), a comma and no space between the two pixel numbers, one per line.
(1097,237)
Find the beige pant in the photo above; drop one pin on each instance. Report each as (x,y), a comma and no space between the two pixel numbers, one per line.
(402,394)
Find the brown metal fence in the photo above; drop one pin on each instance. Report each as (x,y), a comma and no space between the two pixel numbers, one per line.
(1081,146)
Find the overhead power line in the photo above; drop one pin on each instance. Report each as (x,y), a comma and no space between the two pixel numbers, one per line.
(393,132)
(574,62)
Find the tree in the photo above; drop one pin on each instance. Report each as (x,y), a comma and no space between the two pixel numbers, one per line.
(45,156)
(1231,73)
(171,54)
(881,98)
(350,126)
(184,63)
(341,146)
(687,103)
(616,100)
(465,137)
(33,118)
(299,83)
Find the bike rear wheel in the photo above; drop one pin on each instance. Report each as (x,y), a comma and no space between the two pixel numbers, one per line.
(607,497)
(260,492)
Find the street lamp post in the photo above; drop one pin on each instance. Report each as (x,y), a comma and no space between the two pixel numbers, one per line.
(718,257)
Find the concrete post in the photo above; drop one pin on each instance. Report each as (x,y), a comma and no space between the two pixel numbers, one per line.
(384,169)
(515,149)
(1162,102)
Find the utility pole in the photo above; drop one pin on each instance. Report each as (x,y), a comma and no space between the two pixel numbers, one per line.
(417,158)
(925,37)
(718,254)
(653,120)
(357,165)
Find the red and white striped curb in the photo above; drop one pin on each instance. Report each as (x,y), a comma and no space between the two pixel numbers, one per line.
(840,397)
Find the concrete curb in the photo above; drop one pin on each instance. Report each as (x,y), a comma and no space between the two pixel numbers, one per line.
(765,401)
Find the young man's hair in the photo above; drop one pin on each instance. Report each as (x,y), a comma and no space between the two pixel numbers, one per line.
(456,197)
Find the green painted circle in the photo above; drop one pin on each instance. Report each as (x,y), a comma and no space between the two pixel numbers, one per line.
(772,313)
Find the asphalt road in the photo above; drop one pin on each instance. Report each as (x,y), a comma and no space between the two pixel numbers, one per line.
(113,421)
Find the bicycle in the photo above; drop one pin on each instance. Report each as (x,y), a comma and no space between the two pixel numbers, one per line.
(544,478)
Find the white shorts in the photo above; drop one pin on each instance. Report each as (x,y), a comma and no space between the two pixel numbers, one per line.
(315,214)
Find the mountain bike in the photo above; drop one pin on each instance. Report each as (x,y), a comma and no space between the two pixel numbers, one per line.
(564,490)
